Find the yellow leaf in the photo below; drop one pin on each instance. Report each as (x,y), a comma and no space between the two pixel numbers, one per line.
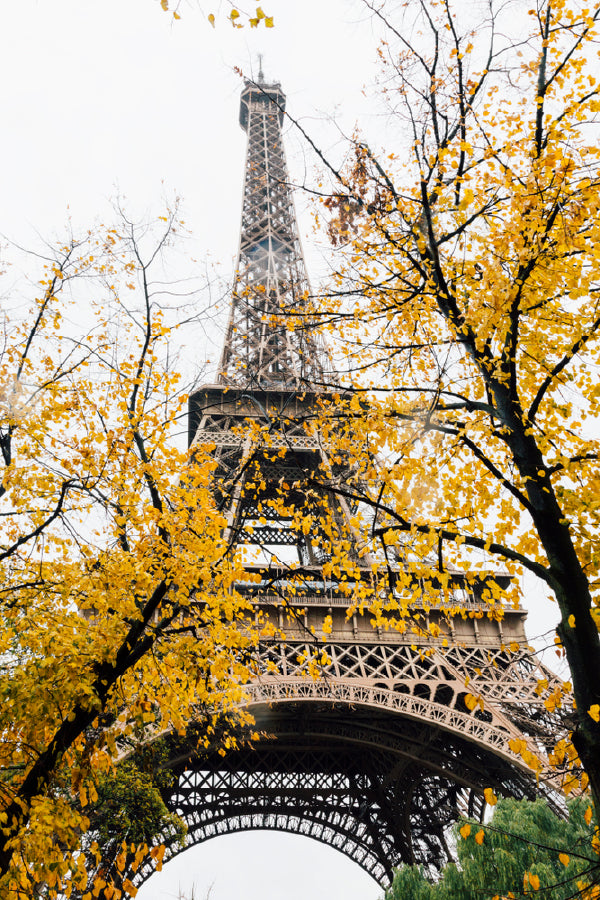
(571,621)
(490,797)
(259,13)
(470,701)
(176,15)
(564,858)
(164,4)
(584,781)
(594,712)
(480,836)
(534,881)
(268,21)
(158,852)
(588,815)
(465,831)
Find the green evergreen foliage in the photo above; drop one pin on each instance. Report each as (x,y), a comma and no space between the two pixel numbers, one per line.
(523,843)
(130,808)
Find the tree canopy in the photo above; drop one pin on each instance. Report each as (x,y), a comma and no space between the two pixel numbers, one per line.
(525,848)
(117,609)
(465,309)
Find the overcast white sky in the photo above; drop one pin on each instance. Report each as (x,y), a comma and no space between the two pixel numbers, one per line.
(101,95)
(111,96)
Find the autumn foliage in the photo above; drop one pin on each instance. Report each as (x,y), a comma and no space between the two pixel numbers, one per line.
(237,18)
(466,313)
(118,619)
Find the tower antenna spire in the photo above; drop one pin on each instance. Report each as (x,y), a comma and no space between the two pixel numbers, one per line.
(261,76)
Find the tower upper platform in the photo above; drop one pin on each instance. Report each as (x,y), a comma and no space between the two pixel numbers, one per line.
(262,94)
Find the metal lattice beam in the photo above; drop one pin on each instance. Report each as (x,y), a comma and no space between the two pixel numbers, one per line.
(381,789)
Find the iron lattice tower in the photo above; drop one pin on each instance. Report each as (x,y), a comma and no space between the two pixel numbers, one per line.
(381,755)
(271,286)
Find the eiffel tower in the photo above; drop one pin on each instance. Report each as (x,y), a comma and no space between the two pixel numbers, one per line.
(379,755)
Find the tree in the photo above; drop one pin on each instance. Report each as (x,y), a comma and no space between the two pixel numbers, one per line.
(467,300)
(118,614)
(525,848)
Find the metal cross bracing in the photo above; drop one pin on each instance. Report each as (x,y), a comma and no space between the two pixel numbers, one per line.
(382,752)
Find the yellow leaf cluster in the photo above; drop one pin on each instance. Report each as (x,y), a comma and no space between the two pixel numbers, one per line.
(236,18)
(119,610)
(490,797)
(464,310)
